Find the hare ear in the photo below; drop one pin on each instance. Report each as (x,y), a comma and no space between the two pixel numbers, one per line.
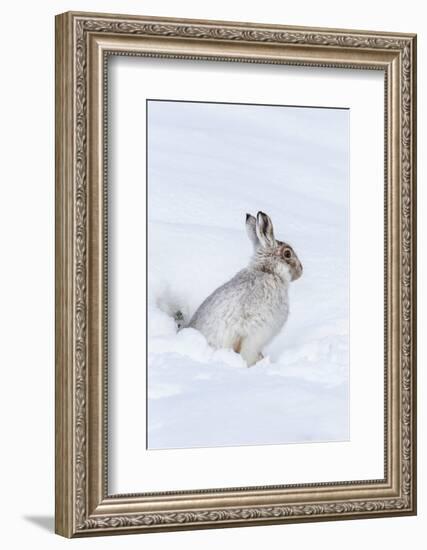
(264,230)
(251,230)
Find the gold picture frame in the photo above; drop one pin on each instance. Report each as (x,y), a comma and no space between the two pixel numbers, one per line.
(83,505)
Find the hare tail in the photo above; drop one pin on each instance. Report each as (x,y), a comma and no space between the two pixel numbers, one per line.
(179,319)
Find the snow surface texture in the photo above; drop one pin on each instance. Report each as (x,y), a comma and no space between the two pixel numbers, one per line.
(209,164)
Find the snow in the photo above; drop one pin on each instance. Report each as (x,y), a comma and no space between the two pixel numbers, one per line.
(209,164)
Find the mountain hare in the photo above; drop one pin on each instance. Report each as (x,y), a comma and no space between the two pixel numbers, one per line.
(245,313)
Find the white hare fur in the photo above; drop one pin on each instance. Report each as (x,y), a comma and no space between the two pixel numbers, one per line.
(246,312)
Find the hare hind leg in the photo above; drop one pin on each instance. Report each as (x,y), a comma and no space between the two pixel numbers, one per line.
(237,344)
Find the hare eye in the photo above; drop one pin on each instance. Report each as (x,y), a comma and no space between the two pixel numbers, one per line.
(287,254)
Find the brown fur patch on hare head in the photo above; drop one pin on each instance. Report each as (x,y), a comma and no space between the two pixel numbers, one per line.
(286,253)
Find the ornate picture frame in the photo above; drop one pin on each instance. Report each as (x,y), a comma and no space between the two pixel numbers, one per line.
(84,42)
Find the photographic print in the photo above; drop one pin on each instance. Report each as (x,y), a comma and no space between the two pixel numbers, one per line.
(248,274)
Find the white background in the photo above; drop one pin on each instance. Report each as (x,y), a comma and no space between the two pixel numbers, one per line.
(27,274)
(361,457)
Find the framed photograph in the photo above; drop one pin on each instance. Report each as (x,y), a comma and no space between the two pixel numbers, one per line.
(235,274)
